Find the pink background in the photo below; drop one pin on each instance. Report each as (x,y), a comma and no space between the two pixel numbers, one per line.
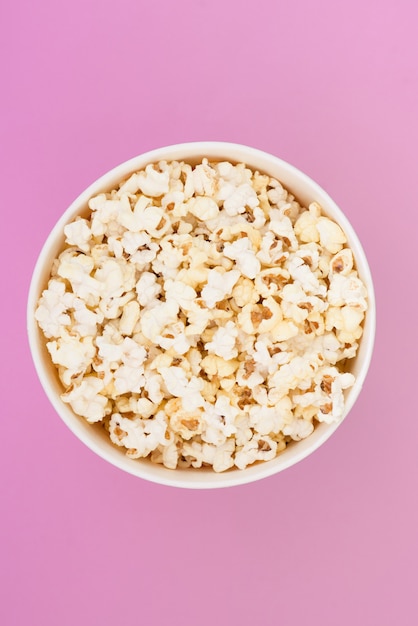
(329,86)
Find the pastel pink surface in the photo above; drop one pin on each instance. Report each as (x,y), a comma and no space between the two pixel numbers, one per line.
(331,88)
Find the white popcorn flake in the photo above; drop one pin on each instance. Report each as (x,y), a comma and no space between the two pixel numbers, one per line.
(143,407)
(236,199)
(347,290)
(271,252)
(219,285)
(223,342)
(130,316)
(170,455)
(86,321)
(174,338)
(301,272)
(140,438)
(297,305)
(71,352)
(342,262)
(51,313)
(153,183)
(331,236)
(76,268)
(115,246)
(203,315)
(131,242)
(260,448)
(144,255)
(197,319)
(111,277)
(288,377)
(179,292)
(147,288)
(204,179)
(219,421)
(306,226)
(78,233)
(180,386)
(130,186)
(173,203)
(298,429)
(144,217)
(86,399)
(282,226)
(128,379)
(222,459)
(271,282)
(242,253)
(248,374)
(270,419)
(153,386)
(347,322)
(203,208)
(154,320)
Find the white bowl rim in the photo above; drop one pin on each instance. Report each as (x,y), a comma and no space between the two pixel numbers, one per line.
(192,478)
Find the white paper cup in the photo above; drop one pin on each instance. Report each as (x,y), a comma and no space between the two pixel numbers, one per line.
(94,436)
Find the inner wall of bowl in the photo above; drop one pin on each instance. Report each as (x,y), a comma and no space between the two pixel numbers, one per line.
(305,191)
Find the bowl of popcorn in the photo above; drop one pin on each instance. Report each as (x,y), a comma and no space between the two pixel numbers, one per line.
(202,315)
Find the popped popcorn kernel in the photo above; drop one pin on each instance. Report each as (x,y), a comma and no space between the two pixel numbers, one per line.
(203,316)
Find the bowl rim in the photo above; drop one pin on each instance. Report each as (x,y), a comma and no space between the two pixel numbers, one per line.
(192,478)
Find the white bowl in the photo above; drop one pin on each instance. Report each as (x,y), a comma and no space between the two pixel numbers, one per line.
(306,191)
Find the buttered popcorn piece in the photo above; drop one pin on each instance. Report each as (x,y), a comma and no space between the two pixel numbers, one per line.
(203,315)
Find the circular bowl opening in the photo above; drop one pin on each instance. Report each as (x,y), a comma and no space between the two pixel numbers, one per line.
(305,191)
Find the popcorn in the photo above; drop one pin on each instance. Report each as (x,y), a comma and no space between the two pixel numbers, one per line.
(203,316)
(180,293)
(180,386)
(259,448)
(298,429)
(147,289)
(130,316)
(78,234)
(236,199)
(183,422)
(242,253)
(331,236)
(174,338)
(244,292)
(51,313)
(269,419)
(223,342)
(154,320)
(71,352)
(347,289)
(138,437)
(153,183)
(77,268)
(219,285)
(282,226)
(86,399)
(203,208)
(271,252)
(128,379)
(342,262)
(217,366)
(306,226)
(153,386)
